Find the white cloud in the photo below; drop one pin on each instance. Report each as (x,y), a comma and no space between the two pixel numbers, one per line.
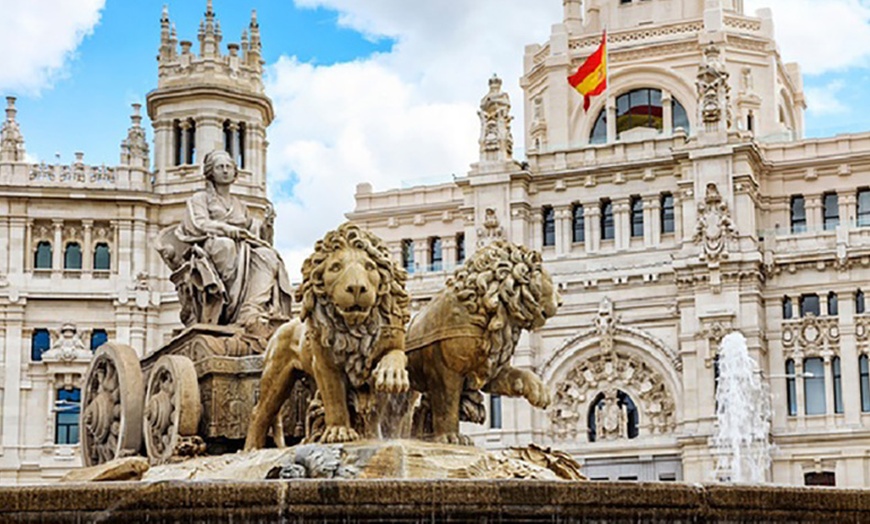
(822,36)
(400,116)
(38,37)
(822,101)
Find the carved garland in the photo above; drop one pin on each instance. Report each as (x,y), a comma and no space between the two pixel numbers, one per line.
(812,336)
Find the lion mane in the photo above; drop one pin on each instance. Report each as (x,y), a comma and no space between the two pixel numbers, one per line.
(354,346)
(500,286)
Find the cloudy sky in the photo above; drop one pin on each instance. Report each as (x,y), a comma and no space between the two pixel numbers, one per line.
(383,91)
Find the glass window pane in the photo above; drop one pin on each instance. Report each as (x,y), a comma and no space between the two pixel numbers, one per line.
(865,383)
(579,224)
(667,206)
(102,257)
(814,386)
(681,118)
(40,342)
(833,307)
(838,385)
(607,230)
(549,225)
(786,308)
(98,338)
(43,256)
(831,211)
(599,130)
(495,411)
(435,253)
(791,387)
(408,255)
(72,257)
(864,207)
(809,304)
(460,248)
(798,214)
(859,301)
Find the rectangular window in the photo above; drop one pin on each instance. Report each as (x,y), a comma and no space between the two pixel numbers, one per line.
(786,308)
(667,213)
(636,216)
(833,308)
(791,387)
(495,411)
(607,230)
(98,338)
(838,385)
(863,204)
(460,248)
(830,211)
(859,302)
(798,214)
(579,224)
(549,225)
(814,386)
(67,410)
(435,254)
(408,255)
(40,342)
(809,304)
(864,370)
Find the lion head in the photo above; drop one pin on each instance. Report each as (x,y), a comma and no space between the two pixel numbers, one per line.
(351,288)
(506,289)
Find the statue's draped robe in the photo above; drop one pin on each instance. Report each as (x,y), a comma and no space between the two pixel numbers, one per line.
(248,275)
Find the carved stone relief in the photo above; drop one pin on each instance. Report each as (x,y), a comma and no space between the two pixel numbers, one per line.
(496,141)
(714,92)
(611,372)
(68,344)
(611,420)
(491,230)
(812,336)
(714,228)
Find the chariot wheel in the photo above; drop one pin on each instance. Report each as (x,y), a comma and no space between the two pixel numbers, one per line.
(111,415)
(172,407)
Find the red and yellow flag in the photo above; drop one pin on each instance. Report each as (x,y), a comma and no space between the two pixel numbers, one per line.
(591,78)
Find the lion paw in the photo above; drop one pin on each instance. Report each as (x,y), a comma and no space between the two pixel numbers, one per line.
(338,434)
(535,391)
(457,439)
(390,373)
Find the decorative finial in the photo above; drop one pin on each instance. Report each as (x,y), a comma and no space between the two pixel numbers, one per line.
(165,16)
(10,108)
(254,18)
(208,8)
(136,117)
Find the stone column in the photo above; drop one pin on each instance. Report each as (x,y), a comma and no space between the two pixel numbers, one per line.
(125,263)
(655,220)
(846,203)
(11,412)
(28,247)
(667,113)
(448,252)
(537,230)
(592,213)
(48,438)
(87,248)
(829,389)
(611,119)
(17,238)
(4,241)
(813,210)
(139,242)
(849,370)
(421,255)
(185,141)
(621,223)
(799,392)
(563,230)
(234,142)
(164,146)
(57,252)
(209,136)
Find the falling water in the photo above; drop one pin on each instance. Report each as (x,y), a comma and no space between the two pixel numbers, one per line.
(741,441)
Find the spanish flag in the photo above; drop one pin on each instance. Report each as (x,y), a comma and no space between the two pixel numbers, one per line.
(591,78)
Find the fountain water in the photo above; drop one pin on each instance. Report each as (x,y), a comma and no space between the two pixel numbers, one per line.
(741,441)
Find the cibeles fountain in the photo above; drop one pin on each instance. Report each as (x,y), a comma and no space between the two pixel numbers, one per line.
(371,399)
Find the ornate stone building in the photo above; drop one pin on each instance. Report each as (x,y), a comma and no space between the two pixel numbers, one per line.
(683,205)
(79,266)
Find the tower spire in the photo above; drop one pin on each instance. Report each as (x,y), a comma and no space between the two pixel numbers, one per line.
(167,45)
(255,47)
(11,140)
(209,34)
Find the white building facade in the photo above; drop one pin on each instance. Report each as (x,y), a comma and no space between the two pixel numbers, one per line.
(683,205)
(80,265)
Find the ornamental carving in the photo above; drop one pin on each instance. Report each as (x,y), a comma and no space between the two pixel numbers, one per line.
(714,228)
(611,419)
(714,93)
(491,230)
(609,373)
(605,324)
(68,344)
(812,335)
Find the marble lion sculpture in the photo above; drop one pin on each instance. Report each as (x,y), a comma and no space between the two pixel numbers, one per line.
(463,341)
(350,337)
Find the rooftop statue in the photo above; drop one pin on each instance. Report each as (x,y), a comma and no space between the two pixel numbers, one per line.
(224,267)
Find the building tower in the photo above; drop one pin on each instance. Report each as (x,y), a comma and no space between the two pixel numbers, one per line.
(209,101)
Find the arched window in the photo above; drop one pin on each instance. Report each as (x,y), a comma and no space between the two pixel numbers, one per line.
(640,108)
(40,342)
(98,338)
(67,409)
(102,257)
(623,403)
(42,258)
(72,256)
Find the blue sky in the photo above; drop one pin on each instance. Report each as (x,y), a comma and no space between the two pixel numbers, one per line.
(379,91)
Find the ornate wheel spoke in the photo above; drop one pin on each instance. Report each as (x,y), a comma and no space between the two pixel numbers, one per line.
(112,404)
(172,407)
